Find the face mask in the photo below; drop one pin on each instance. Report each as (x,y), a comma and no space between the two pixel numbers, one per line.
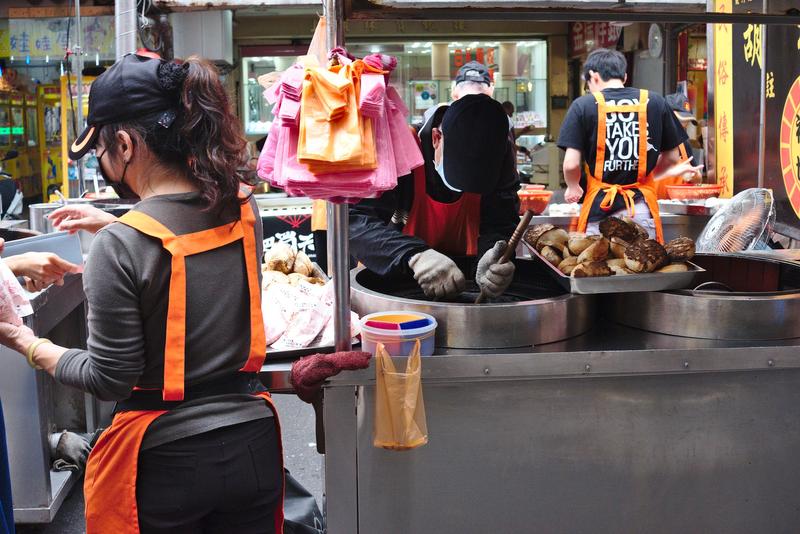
(440,166)
(122,189)
(440,170)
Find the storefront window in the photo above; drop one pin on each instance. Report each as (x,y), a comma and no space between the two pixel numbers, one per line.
(17,126)
(413,78)
(33,131)
(257,112)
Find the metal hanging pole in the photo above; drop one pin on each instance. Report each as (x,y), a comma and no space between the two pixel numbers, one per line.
(338,214)
(78,54)
(125,24)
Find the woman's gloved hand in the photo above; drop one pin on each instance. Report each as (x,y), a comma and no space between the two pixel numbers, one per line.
(69,450)
(308,373)
(437,275)
(494,278)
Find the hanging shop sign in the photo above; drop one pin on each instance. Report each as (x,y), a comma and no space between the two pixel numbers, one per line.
(587,36)
(744,53)
(43,38)
(482,55)
(790,146)
(782,135)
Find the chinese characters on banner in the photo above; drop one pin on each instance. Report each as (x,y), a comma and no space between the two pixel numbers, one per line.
(752,44)
(481,55)
(587,36)
(723,101)
(39,38)
(294,230)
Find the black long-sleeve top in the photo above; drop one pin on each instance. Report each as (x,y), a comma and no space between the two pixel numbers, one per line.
(376,225)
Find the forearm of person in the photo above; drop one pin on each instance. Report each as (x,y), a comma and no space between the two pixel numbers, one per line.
(666,160)
(572,167)
(115,358)
(377,243)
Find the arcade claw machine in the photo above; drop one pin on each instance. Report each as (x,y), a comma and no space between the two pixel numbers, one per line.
(18,132)
(48,121)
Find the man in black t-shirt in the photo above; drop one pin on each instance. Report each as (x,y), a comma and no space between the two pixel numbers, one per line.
(638,141)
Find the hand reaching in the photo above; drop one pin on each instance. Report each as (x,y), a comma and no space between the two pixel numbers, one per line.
(74,217)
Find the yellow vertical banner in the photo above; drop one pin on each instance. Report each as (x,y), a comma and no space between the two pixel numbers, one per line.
(723,100)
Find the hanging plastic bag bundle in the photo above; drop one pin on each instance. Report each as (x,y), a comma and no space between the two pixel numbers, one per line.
(400,422)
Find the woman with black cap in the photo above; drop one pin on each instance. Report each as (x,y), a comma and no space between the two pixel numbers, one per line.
(175,327)
(462,202)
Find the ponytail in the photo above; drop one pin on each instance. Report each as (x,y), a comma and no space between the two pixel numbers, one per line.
(212,136)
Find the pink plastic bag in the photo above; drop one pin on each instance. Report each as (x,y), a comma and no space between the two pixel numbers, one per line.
(406,149)
(371,99)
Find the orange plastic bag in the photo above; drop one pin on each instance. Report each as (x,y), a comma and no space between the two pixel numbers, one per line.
(400,422)
(334,137)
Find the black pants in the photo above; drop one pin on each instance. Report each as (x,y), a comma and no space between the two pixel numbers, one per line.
(226,480)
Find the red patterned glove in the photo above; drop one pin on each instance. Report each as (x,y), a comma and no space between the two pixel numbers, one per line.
(309,372)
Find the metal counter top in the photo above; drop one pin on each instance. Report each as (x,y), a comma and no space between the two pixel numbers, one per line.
(608,349)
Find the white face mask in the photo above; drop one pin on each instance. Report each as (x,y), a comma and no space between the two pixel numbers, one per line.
(440,167)
(440,170)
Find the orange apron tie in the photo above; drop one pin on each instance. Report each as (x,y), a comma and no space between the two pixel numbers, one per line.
(644,182)
(110,482)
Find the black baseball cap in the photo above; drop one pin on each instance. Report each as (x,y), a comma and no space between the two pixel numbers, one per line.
(475,132)
(680,105)
(128,89)
(474,72)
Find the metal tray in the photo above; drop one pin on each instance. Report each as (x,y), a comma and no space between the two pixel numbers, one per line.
(677,207)
(632,283)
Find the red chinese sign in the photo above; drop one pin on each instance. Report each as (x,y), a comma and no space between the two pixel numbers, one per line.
(790,146)
(587,36)
(481,55)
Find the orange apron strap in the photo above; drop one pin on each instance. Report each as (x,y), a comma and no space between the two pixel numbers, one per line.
(592,189)
(258,337)
(109,486)
(199,242)
(651,199)
(147,225)
(642,171)
(682,150)
(600,151)
(175,345)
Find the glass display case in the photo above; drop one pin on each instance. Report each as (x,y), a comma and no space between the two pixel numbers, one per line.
(257,112)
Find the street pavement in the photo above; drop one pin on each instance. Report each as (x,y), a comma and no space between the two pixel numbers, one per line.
(300,456)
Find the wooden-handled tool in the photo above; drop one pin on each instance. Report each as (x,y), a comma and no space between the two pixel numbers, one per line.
(511,246)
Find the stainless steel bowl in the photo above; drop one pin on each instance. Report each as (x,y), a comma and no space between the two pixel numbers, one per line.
(534,310)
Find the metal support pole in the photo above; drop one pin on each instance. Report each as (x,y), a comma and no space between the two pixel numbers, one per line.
(762,121)
(338,214)
(125,24)
(710,140)
(78,54)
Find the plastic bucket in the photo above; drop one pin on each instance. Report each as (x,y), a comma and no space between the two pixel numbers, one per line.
(398,342)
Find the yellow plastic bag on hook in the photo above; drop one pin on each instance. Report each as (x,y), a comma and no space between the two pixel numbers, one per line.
(400,422)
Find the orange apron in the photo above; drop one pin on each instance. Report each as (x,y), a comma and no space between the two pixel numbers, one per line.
(110,482)
(644,182)
(449,228)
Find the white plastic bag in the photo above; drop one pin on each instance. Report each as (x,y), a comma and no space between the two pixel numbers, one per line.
(14,305)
